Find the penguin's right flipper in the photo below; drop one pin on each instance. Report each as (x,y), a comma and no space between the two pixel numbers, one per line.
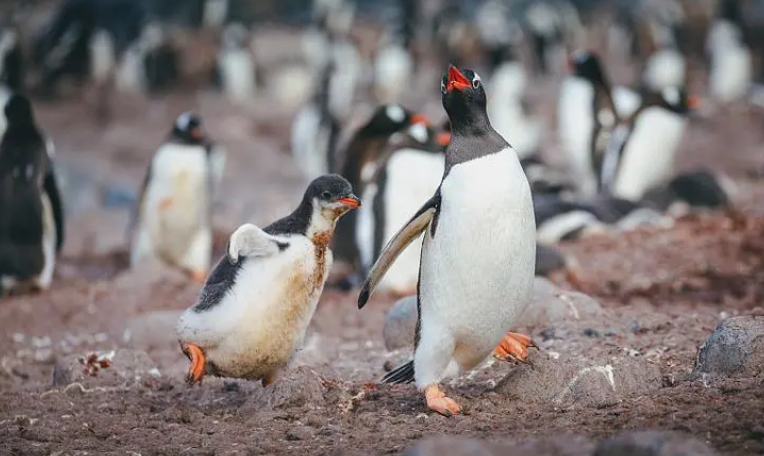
(421,220)
(54,196)
(401,374)
(250,241)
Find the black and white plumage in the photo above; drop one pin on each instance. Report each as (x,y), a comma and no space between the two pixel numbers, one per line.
(235,65)
(360,164)
(731,71)
(32,236)
(641,151)
(172,221)
(478,255)
(11,68)
(256,305)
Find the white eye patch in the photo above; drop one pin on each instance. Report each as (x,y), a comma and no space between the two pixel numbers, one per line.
(183,121)
(395,113)
(476,78)
(418,132)
(671,95)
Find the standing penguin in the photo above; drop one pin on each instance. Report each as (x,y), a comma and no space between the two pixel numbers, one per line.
(235,68)
(32,224)
(174,212)
(641,152)
(586,117)
(360,163)
(256,305)
(478,255)
(11,68)
(407,173)
(731,70)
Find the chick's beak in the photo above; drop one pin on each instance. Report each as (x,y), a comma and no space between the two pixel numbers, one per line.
(351,201)
(456,80)
(197,133)
(419,119)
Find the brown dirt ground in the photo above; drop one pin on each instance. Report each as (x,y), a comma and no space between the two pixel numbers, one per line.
(664,291)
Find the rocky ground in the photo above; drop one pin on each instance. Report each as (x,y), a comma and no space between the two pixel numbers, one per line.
(650,340)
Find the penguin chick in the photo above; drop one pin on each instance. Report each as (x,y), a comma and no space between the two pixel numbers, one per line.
(173,217)
(478,254)
(256,305)
(33,233)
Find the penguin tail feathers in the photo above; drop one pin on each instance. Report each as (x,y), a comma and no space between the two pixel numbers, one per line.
(401,374)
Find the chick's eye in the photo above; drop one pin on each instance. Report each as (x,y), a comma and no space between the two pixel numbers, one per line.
(326,195)
(475,83)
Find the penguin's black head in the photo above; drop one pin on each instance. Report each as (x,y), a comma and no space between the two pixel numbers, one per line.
(188,129)
(464,100)
(18,111)
(332,192)
(388,119)
(586,65)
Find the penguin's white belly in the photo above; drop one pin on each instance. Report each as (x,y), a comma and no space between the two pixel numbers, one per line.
(175,208)
(664,69)
(731,72)
(412,178)
(5,94)
(102,56)
(575,124)
(238,75)
(648,158)
(478,268)
(262,320)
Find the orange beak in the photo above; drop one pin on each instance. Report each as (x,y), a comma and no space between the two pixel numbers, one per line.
(350,201)
(456,80)
(419,119)
(197,133)
(694,102)
(444,138)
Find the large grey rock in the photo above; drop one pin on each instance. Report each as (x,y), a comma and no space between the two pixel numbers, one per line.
(653,443)
(548,259)
(568,381)
(124,367)
(400,324)
(549,304)
(734,349)
(568,445)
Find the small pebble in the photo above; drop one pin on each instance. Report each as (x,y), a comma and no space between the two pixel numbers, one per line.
(589,332)
(547,334)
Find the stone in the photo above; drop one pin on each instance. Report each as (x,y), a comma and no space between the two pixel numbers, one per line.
(105,369)
(734,349)
(576,380)
(400,324)
(653,443)
(549,304)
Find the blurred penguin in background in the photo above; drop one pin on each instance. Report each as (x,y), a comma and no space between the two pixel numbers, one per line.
(11,67)
(235,66)
(394,65)
(173,219)
(32,221)
(731,68)
(666,66)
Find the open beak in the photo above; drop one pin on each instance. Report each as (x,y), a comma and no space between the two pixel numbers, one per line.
(351,201)
(456,80)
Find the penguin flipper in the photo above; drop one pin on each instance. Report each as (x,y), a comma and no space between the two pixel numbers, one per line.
(135,213)
(54,196)
(250,241)
(412,230)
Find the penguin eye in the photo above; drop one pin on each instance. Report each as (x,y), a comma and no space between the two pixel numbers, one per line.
(476,83)
(326,195)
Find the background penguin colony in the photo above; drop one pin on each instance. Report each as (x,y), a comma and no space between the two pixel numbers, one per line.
(361,95)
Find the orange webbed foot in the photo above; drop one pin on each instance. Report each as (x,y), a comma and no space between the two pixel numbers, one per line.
(514,347)
(196,356)
(439,402)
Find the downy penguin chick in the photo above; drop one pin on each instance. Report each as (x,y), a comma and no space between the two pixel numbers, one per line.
(31,214)
(173,218)
(256,305)
(478,255)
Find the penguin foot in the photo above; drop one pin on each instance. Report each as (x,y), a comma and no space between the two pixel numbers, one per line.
(439,402)
(514,347)
(196,356)
(199,276)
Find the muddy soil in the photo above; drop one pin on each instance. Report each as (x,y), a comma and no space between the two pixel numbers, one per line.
(663,292)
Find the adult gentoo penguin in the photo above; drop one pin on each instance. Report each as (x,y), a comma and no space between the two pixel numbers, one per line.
(640,155)
(32,224)
(173,217)
(235,66)
(478,254)
(256,305)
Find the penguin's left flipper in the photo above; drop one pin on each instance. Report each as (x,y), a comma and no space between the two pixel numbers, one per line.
(514,347)
(418,223)
(250,241)
(54,196)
